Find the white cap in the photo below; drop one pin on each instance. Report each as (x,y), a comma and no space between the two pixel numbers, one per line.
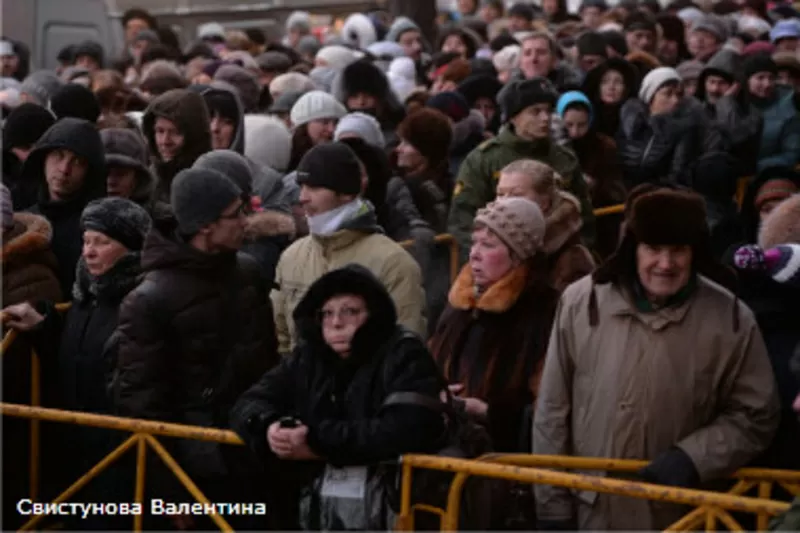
(210,29)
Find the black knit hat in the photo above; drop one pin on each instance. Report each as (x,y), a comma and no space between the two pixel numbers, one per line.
(76,101)
(89,48)
(591,43)
(118,218)
(25,125)
(477,87)
(332,166)
(616,40)
(199,197)
(521,94)
(761,62)
(451,104)
(639,20)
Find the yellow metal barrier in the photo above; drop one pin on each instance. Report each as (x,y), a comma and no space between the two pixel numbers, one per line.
(712,506)
(452,245)
(142,439)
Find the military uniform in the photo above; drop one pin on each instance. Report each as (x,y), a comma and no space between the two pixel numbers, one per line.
(478,176)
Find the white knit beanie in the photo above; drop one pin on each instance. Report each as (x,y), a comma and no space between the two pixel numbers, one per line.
(316,105)
(507,58)
(267,142)
(363,126)
(337,56)
(291,82)
(654,80)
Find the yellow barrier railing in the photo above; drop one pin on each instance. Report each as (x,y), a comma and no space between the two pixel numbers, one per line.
(452,245)
(142,439)
(712,506)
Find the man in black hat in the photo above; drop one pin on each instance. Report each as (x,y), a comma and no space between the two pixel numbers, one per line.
(527,108)
(591,50)
(591,12)
(22,129)
(641,32)
(343,229)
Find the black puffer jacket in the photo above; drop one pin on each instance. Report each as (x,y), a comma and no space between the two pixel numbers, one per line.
(82,138)
(340,399)
(194,335)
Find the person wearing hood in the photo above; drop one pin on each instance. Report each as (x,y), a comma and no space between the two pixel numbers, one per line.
(227,117)
(343,387)
(717,78)
(407,34)
(481,93)
(468,131)
(358,31)
(196,333)
(127,165)
(68,164)
(177,128)
(268,229)
(527,106)
(77,101)
(298,25)
(539,58)
(657,329)
(780,135)
(672,45)
(80,344)
(608,86)
(460,40)
(597,155)
(21,130)
(362,86)
(343,229)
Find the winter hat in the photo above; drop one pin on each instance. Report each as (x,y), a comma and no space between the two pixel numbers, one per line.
(782,225)
(285,102)
(774,189)
(518,95)
(245,82)
(242,59)
(91,49)
(7,48)
(199,196)
(400,26)
(656,79)
(480,86)
(161,76)
(76,101)
(25,125)
(332,166)
(274,62)
(41,86)
(456,71)
(690,70)
(308,45)
(754,26)
(781,263)
(600,4)
(300,21)
(756,63)
(323,77)
(571,98)
(523,10)
(386,50)
(518,222)
(147,35)
(316,105)
(337,56)
(402,77)
(690,15)
(359,31)
(118,218)
(758,47)
(291,82)
(430,132)
(639,20)
(507,58)
(787,61)
(211,31)
(591,43)
(7,207)
(230,164)
(785,29)
(673,27)
(616,40)
(451,104)
(125,148)
(362,125)
(267,141)
(362,77)
(713,24)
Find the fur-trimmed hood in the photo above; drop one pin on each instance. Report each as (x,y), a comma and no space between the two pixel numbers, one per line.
(364,76)
(782,226)
(270,224)
(563,222)
(31,235)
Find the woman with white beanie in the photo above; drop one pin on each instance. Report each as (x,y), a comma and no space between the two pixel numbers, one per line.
(363,126)
(660,133)
(314,118)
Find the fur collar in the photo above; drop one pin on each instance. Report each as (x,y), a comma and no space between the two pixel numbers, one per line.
(31,233)
(562,222)
(270,224)
(498,298)
(114,285)
(782,226)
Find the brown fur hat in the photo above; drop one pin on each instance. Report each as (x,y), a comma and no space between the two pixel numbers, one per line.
(429,131)
(782,225)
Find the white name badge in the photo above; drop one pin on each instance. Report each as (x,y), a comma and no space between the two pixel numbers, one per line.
(349,482)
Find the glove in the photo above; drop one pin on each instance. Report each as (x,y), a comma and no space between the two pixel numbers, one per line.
(673,468)
(556,525)
(750,257)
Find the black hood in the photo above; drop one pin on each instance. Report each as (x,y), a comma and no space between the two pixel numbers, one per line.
(352,279)
(82,138)
(365,77)
(223,90)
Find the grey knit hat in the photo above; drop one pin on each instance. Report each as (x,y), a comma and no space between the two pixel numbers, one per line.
(41,86)
(230,164)
(118,218)
(399,27)
(274,62)
(518,222)
(199,196)
(654,80)
(316,105)
(245,82)
(363,126)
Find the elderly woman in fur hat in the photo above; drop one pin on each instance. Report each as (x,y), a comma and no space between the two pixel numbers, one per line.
(651,358)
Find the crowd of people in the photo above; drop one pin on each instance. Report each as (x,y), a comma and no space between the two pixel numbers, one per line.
(247,234)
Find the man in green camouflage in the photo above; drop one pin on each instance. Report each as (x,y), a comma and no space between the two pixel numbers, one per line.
(527,107)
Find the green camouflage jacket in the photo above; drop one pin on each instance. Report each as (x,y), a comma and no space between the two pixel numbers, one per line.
(478,175)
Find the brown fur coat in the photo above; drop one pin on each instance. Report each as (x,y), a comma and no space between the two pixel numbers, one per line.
(29,266)
(568,259)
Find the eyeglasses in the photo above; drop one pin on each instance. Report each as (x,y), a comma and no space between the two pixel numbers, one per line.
(236,214)
(345,314)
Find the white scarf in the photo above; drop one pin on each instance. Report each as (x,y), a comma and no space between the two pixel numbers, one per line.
(329,222)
